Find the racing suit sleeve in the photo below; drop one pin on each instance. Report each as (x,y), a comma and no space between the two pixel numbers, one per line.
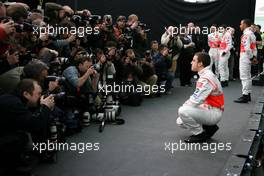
(246,40)
(208,41)
(229,43)
(203,90)
(253,40)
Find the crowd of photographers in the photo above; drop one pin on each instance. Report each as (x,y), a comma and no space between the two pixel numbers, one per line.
(56,64)
(49,79)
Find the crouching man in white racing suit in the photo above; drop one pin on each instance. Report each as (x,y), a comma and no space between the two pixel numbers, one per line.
(248,51)
(203,110)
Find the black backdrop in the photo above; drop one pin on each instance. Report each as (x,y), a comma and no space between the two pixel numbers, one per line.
(161,13)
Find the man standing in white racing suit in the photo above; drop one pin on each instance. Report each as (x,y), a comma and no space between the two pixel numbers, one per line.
(214,40)
(203,110)
(248,52)
(224,54)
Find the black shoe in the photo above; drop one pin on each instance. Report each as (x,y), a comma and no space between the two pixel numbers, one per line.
(210,129)
(224,83)
(202,137)
(243,99)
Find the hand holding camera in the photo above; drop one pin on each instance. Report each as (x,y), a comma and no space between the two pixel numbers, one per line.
(9,27)
(91,71)
(48,101)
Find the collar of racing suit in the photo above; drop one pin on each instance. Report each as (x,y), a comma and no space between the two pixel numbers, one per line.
(201,72)
(247,30)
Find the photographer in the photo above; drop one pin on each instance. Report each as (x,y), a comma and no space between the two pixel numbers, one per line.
(82,77)
(15,109)
(25,117)
(119,29)
(6,29)
(60,45)
(54,12)
(10,61)
(139,34)
(38,71)
(185,59)
(132,72)
(162,64)
(148,77)
(107,30)
(154,48)
(47,55)
(105,64)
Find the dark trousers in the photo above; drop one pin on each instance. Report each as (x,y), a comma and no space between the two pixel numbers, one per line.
(185,70)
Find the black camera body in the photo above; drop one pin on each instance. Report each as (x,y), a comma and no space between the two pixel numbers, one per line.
(25,27)
(61,80)
(144,27)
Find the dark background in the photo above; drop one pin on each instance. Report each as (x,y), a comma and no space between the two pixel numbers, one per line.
(160,13)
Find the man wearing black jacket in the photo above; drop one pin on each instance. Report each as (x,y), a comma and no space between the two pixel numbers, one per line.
(162,64)
(16,114)
(17,120)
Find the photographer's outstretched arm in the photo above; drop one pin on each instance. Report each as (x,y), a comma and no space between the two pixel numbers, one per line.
(95,80)
(83,79)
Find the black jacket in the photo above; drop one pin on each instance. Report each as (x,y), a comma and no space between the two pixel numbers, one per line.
(162,64)
(15,116)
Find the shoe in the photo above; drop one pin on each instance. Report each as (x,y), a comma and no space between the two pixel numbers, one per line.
(202,137)
(210,129)
(243,99)
(224,83)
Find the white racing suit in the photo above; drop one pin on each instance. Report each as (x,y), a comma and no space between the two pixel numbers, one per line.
(205,106)
(225,47)
(247,51)
(214,40)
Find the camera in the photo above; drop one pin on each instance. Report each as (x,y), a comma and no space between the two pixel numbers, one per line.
(5,19)
(79,20)
(94,19)
(26,57)
(97,67)
(58,64)
(59,96)
(144,27)
(25,27)
(61,80)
